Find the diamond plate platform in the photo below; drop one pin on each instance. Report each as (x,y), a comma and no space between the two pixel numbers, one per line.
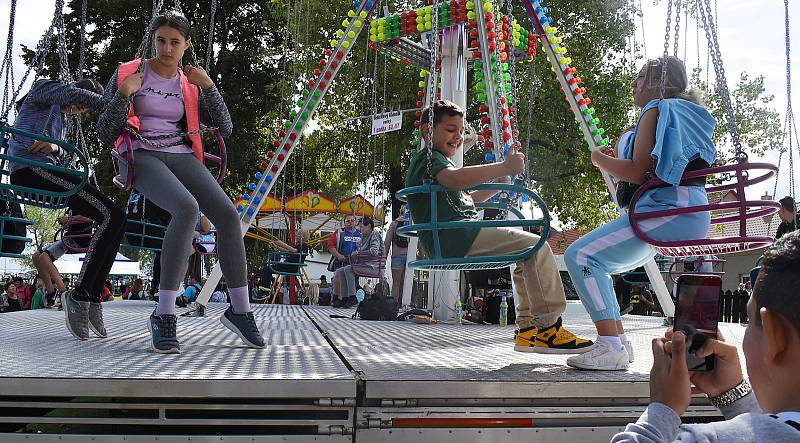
(297,361)
(405,360)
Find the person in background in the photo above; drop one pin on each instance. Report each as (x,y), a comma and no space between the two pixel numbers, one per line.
(345,278)
(767,412)
(24,292)
(399,245)
(789,217)
(219,295)
(38,301)
(12,299)
(342,243)
(192,290)
(136,291)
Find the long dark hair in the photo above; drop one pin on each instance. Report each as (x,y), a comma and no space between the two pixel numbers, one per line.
(174,20)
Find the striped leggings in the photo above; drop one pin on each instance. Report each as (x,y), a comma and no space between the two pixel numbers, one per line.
(614,248)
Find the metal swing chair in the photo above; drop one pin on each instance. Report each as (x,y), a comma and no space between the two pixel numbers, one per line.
(731,216)
(123,156)
(435,259)
(75,163)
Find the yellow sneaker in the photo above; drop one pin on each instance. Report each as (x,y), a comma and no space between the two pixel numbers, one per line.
(524,338)
(556,339)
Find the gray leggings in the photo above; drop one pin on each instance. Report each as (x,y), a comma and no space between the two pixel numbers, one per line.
(181,185)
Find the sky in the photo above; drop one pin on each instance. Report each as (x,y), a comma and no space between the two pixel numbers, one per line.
(751,38)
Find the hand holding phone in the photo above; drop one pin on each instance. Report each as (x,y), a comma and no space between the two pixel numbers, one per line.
(696,315)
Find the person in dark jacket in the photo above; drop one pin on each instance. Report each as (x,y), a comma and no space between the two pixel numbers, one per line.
(789,215)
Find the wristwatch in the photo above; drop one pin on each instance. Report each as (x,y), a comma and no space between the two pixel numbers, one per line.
(728,397)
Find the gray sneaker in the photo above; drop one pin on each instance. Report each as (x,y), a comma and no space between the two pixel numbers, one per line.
(77,315)
(96,320)
(163,333)
(244,325)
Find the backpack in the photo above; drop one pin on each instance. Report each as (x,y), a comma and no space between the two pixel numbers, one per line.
(140,210)
(12,228)
(399,240)
(377,307)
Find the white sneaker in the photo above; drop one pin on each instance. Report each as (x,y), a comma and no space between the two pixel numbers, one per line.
(629,349)
(602,358)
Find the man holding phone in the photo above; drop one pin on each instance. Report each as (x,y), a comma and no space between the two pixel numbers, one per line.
(770,411)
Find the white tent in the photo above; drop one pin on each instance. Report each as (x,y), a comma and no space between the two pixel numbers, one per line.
(72,263)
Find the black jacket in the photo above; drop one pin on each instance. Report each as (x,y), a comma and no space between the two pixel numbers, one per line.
(787,227)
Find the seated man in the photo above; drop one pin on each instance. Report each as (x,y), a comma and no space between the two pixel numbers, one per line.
(344,278)
(770,411)
(540,292)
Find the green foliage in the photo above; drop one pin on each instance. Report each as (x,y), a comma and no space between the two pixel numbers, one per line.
(44,227)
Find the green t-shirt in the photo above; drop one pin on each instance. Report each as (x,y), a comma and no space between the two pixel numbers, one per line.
(454,242)
(38,300)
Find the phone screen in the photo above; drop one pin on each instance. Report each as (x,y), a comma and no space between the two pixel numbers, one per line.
(696,315)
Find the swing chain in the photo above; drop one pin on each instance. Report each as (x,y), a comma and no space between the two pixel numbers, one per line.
(433,83)
(722,83)
(662,86)
(82,40)
(6,70)
(36,63)
(678,4)
(211,27)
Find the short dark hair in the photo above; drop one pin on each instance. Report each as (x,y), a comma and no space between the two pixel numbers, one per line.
(779,279)
(8,283)
(368,221)
(787,203)
(91,85)
(174,20)
(440,109)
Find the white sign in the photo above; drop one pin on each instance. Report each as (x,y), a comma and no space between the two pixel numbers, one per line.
(386,122)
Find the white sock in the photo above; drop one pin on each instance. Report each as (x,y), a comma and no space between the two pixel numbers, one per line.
(611,340)
(622,337)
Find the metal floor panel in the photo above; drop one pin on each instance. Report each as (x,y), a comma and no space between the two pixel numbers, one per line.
(399,360)
(297,359)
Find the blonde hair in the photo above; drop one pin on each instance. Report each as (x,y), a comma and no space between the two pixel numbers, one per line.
(676,81)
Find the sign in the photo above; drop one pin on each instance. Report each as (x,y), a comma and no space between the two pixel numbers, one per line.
(386,122)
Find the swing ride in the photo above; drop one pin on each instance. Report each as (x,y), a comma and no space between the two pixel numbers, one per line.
(324,379)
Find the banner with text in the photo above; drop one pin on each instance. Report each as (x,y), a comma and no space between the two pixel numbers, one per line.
(386,122)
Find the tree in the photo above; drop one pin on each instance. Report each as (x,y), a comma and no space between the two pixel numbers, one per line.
(42,230)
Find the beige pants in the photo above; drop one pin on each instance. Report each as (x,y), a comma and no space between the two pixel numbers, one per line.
(540,293)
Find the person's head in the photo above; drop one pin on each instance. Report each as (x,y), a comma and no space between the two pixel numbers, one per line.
(10,288)
(138,285)
(171,37)
(647,84)
(323,279)
(192,280)
(788,209)
(350,222)
(448,126)
(772,339)
(367,225)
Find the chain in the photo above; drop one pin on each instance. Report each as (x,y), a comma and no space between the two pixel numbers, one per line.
(151,140)
(790,128)
(36,64)
(662,86)
(211,26)
(678,4)
(433,82)
(6,70)
(529,120)
(722,83)
(82,40)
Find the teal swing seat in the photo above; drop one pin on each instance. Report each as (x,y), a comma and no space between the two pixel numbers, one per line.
(142,234)
(7,248)
(436,262)
(33,196)
(287,263)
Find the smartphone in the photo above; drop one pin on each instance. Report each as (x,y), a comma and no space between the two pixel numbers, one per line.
(696,315)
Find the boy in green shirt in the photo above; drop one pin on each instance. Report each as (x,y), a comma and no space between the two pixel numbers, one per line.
(540,293)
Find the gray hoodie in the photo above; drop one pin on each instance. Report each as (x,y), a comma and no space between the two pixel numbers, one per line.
(745,423)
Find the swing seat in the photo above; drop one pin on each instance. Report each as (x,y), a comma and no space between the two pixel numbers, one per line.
(287,263)
(33,196)
(123,156)
(367,265)
(142,234)
(729,231)
(75,242)
(10,243)
(674,273)
(206,247)
(435,260)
